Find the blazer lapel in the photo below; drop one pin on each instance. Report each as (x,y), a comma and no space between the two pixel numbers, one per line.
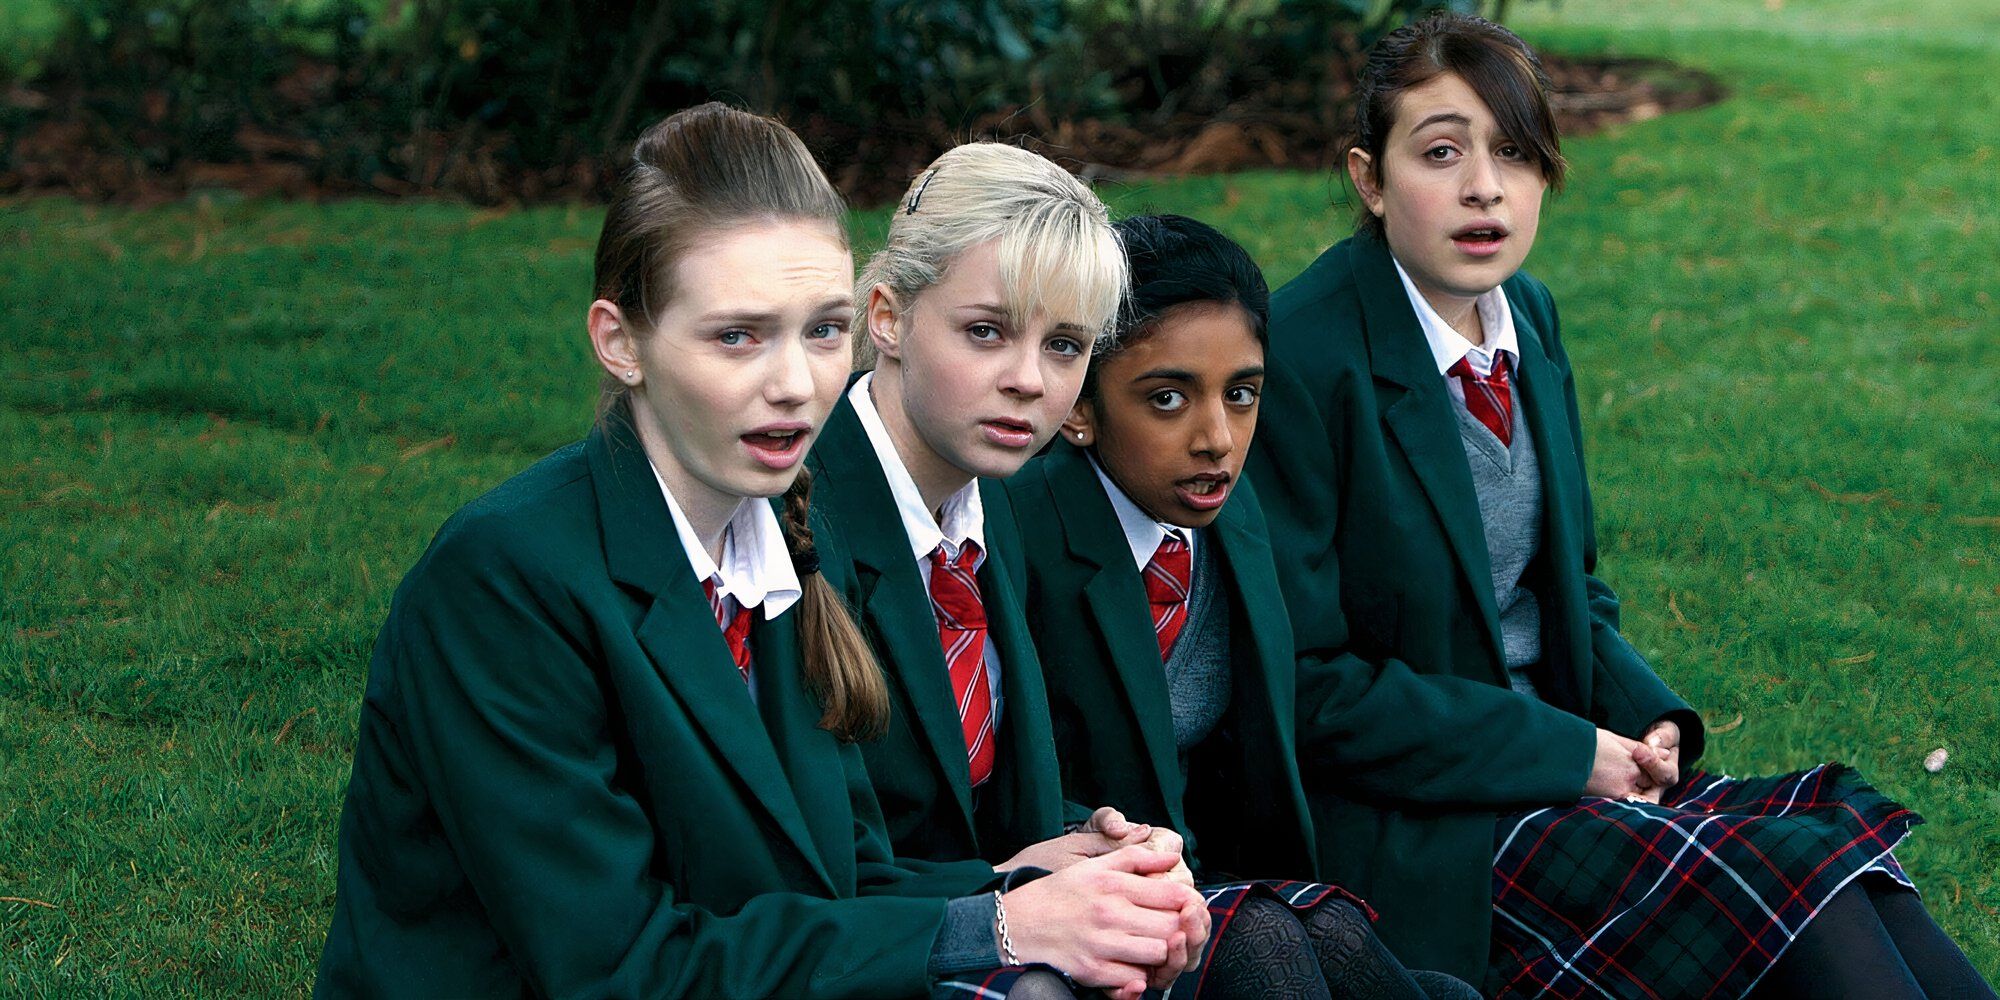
(678,630)
(1247,556)
(1543,397)
(1418,413)
(895,604)
(811,755)
(1028,780)
(1118,607)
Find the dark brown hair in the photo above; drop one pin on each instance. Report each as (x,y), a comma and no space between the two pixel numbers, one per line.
(1493,61)
(702,170)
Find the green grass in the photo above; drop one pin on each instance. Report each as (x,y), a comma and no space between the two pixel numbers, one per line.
(227,428)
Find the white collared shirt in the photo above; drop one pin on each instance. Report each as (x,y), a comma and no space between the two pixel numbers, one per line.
(1448,345)
(1142,533)
(962,517)
(756,566)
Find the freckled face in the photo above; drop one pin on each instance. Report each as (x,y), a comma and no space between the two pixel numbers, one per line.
(983,390)
(1459,200)
(1174,412)
(749,358)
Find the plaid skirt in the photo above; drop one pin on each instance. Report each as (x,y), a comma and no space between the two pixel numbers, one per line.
(1695,897)
(1223,901)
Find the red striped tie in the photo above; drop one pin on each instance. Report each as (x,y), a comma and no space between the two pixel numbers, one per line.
(1168,576)
(735,628)
(1487,398)
(961,622)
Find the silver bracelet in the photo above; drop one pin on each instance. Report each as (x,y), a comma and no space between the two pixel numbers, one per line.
(1007,953)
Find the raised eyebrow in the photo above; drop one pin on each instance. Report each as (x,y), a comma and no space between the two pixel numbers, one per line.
(1170,374)
(739,318)
(1254,371)
(1442,118)
(838,303)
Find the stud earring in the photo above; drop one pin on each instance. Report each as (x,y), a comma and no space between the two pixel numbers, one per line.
(631,376)
(1079,435)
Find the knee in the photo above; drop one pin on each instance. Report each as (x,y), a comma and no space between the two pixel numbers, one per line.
(1040,984)
(1340,913)
(1275,922)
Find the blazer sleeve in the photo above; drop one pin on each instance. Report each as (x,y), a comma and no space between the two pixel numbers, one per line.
(1627,696)
(507,725)
(1379,728)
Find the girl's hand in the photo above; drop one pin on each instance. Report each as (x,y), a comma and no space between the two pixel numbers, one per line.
(1169,842)
(1058,853)
(1619,771)
(1109,922)
(1113,824)
(1664,738)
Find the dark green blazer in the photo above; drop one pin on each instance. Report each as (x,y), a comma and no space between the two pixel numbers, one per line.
(918,767)
(1239,803)
(562,787)
(1410,738)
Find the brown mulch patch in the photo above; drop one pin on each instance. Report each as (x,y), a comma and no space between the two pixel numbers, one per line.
(62,148)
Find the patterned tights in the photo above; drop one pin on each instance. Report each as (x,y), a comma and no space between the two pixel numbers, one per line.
(1268,950)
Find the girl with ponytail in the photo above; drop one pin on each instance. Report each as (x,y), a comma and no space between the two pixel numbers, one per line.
(607,743)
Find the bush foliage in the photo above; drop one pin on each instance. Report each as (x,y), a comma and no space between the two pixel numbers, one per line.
(509,98)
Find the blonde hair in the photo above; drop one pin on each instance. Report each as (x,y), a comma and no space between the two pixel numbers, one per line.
(1058,253)
(705,169)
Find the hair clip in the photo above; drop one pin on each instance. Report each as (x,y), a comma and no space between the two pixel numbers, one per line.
(918,194)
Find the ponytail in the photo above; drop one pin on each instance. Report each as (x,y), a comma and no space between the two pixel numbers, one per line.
(840,667)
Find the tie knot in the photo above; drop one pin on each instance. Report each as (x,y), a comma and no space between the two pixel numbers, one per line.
(1168,573)
(966,561)
(955,598)
(1462,368)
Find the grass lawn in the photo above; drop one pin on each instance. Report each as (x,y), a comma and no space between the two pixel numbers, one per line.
(227,428)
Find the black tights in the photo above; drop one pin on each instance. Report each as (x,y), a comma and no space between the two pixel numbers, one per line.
(1040,984)
(1873,940)
(1267,950)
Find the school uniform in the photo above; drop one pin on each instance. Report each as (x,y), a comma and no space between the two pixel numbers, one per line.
(1168,661)
(1457,653)
(587,767)
(1225,775)
(966,768)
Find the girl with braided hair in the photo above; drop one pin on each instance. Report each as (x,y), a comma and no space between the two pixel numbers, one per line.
(607,745)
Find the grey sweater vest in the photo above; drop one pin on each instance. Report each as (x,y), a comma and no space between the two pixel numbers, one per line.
(1197,667)
(1508,479)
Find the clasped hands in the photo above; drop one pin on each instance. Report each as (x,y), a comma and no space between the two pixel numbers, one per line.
(1636,769)
(1120,911)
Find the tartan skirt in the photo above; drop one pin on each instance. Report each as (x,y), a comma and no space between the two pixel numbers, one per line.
(1697,896)
(1224,899)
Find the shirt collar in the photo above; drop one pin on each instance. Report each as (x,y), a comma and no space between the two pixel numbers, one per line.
(963,516)
(1142,533)
(756,565)
(1447,345)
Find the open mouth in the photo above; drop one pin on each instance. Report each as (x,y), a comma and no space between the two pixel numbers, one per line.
(1480,238)
(777,447)
(1206,491)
